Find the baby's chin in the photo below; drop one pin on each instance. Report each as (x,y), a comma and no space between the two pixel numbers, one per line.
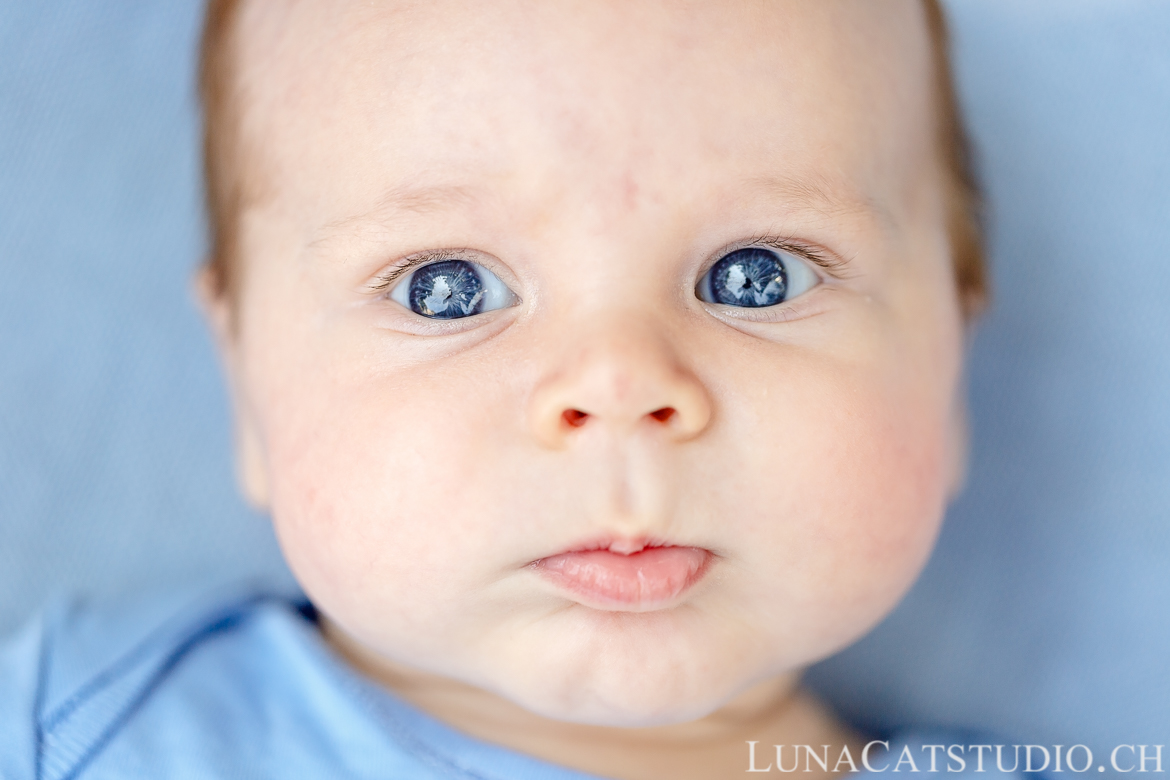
(622,669)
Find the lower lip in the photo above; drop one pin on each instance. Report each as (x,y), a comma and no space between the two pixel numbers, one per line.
(649,578)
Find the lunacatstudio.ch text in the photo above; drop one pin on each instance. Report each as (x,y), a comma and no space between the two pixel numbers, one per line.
(878,756)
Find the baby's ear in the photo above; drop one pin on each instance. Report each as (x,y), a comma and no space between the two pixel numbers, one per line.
(960,442)
(214,304)
(251,468)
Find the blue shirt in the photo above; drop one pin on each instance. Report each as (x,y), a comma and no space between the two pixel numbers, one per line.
(235,685)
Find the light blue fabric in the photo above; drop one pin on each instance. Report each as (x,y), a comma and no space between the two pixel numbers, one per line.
(234,685)
(239,684)
(1043,614)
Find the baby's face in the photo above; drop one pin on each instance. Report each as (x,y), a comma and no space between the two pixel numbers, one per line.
(602,355)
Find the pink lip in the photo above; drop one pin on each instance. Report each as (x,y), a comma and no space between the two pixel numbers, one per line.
(643,578)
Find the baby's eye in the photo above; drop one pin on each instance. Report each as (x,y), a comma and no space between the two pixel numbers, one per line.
(756,277)
(452,289)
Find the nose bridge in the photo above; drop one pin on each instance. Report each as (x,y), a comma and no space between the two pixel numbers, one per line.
(624,375)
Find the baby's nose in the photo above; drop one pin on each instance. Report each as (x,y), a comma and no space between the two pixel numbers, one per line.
(624,378)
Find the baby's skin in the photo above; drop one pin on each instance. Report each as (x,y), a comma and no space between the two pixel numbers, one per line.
(599,361)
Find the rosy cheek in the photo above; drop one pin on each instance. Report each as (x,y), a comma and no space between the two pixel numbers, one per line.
(373,482)
(891,503)
(854,486)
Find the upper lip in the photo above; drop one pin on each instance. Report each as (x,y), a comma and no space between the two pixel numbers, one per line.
(622,545)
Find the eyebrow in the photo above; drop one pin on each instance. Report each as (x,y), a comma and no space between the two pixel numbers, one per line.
(418,200)
(824,195)
(818,193)
(424,199)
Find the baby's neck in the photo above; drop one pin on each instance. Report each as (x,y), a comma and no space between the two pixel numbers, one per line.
(777,712)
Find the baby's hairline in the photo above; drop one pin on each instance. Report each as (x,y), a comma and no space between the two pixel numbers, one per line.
(231,183)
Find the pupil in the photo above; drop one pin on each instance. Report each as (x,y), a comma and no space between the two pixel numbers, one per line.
(750,277)
(446,290)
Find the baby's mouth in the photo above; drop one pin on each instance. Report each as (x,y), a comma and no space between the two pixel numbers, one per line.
(626,576)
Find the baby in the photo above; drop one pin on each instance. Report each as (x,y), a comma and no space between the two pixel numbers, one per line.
(599,365)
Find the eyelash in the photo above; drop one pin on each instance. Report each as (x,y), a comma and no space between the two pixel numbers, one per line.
(386,280)
(830,265)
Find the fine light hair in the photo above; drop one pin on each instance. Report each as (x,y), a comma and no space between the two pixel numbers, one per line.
(230,181)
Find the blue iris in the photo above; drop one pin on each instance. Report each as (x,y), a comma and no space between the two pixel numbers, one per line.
(751,277)
(446,290)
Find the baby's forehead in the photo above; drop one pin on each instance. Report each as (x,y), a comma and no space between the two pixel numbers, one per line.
(830,97)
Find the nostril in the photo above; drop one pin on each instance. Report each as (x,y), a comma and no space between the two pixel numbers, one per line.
(664,414)
(575,417)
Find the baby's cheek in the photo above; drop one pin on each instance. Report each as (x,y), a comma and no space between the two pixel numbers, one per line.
(892,492)
(371,483)
(851,508)
(892,502)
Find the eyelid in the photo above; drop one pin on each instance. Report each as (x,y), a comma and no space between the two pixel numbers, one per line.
(386,279)
(834,266)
